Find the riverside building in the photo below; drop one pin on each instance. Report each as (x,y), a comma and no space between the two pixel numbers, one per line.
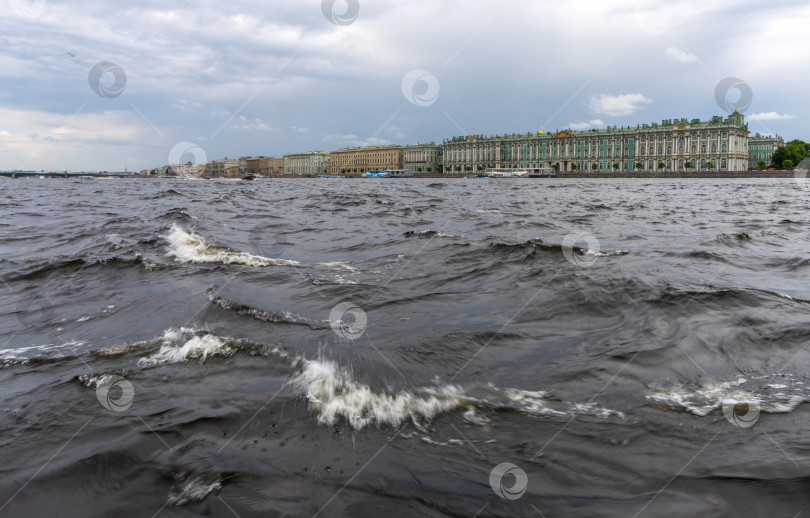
(761,148)
(363,159)
(422,158)
(719,144)
(312,163)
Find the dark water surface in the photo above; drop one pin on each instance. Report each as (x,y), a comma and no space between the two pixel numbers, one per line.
(377,347)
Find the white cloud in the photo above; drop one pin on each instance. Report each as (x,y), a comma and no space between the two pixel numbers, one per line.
(351,140)
(585,125)
(769,116)
(186,105)
(614,105)
(676,54)
(243,123)
(299,130)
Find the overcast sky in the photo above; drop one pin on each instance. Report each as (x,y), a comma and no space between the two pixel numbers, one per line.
(109,85)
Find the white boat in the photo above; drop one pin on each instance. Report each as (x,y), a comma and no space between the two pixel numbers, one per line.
(508,173)
(530,172)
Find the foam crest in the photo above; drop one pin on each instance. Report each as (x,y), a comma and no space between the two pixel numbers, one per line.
(201,347)
(333,393)
(771,393)
(187,247)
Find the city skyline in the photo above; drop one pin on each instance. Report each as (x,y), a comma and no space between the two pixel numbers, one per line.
(84,92)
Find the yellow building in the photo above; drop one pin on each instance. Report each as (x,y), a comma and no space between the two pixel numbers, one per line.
(363,159)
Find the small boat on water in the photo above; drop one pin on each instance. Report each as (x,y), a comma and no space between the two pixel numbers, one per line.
(508,173)
(535,172)
(249,177)
(389,173)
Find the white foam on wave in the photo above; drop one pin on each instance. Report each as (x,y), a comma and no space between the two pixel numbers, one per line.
(193,488)
(195,347)
(333,393)
(769,395)
(187,247)
(23,354)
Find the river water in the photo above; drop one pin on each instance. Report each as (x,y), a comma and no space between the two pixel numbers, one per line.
(409,347)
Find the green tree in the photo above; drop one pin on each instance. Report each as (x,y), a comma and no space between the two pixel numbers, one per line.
(480,168)
(458,168)
(429,169)
(639,166)
(709,165)
(615,165)
(661,165)
(761,165)
(595,167)
(468,168)
(556,167)
(795,151)
(787,164)
(688,165)
(573,167)
(419,168)
(440,168)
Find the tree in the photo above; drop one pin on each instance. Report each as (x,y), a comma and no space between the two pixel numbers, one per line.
(795,151)
(556,167)
(480,168)
(429,169)
(639,166)
(468,168)
(661,165)
(458,168)
(573,167)
(688,165)
(595,167)
(709,165)
(419,168)
(787,164)
(440,168)
(615,165)
(761,165)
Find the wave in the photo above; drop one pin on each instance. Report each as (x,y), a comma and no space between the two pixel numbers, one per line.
(333,393)
(769,393)
(428,233)
(284,317)
(23,355)
(188,247)
(184,344)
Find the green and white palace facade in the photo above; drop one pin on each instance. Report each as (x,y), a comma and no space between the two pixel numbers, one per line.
(719,144)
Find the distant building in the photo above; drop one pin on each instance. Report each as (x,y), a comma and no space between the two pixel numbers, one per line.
(312,163)
(275,166)
(717,144)
(220,167)
(258,165)
(243,165)
(364,159)
(422,158)
(762,148)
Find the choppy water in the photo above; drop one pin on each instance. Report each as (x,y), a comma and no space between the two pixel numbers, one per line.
(365,348)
